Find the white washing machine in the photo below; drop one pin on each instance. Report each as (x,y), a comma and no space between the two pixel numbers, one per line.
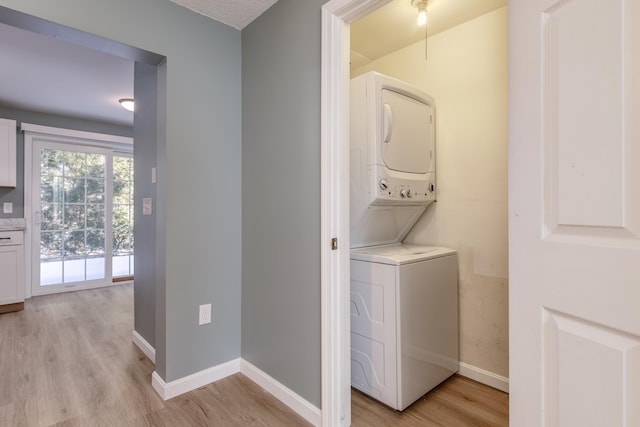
(404,299)
(404,321)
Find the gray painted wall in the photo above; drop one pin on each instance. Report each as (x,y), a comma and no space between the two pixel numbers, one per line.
(202,170)
(145,154)
(199,181)
(16,195)
(281,195)
(161,232)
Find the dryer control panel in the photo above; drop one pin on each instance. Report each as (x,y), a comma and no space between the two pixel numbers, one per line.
(389,188)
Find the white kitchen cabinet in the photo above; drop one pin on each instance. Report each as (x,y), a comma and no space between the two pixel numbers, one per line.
(12,268)
(7,153)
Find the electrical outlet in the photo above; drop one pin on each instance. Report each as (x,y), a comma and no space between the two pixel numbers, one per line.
(205,314)
(7,207)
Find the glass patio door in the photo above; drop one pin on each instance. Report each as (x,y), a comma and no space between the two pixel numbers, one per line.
(122,256)
(73,217)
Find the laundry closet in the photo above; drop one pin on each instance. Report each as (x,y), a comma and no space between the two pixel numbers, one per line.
(450,224)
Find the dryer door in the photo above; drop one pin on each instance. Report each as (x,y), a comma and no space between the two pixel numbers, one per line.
(406,133)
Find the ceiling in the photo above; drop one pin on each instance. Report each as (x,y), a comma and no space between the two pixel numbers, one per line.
(235,13)
(394,25)
(47,75)
(43,74)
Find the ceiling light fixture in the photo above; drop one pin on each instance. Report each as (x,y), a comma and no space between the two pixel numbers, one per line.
(127,103)
(421,5)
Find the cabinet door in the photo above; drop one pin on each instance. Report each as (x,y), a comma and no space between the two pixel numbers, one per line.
(7,153)
(12,277)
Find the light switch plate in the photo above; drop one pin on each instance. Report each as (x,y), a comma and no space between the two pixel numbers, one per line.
(7,207)
(154,177)
(146,206)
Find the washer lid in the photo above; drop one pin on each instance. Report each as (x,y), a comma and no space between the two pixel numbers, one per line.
(399,254)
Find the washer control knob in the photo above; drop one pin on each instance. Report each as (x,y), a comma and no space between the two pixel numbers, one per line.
(383,184)
(403,193)
(409,194)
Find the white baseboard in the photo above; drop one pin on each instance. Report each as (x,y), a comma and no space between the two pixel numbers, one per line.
(144,346)
(191,382)
(281,392)
(284,394)
(485,377)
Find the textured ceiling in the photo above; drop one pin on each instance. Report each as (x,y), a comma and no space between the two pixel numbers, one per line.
(235,13)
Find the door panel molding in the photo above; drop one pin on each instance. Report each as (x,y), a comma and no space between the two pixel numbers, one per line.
(592,186)
(597,360)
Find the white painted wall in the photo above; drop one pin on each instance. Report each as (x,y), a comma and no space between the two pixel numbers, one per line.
(466,73)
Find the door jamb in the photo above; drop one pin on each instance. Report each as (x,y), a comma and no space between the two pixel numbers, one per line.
(337,15)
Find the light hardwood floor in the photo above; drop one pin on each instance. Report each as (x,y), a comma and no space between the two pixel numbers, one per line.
(68,360)
(458,402)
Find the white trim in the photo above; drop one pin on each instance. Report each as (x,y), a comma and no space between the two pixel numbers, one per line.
(485,377)
(174,388)
(144,346)
(191,382)
(68,287)
(334,216)
(28,215)
(118,144)
(336,398)
(71,133)
(298,404)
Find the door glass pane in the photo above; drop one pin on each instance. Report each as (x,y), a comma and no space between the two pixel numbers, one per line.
(95,165)
(122,216)
(51,162)
(74,190)
(95,216)
(95,190)
(75,164)
(72,216)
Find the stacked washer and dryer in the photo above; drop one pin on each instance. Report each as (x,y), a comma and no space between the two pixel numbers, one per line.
(404,298)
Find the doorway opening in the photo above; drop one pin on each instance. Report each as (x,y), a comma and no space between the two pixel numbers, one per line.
(469,154)
(149,84)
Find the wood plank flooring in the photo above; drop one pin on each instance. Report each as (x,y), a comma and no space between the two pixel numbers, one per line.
(458,402)
(68,360)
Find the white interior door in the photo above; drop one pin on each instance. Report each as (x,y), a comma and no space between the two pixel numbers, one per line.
(574,190)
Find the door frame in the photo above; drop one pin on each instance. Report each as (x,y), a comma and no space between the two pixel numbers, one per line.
(337,15)
(63,136)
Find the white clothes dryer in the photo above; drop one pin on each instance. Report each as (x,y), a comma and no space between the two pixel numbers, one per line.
(404,321)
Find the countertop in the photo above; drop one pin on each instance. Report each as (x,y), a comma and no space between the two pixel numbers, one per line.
(12,224)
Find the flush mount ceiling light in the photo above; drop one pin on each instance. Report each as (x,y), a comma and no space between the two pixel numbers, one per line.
(421,5)
(127,103)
